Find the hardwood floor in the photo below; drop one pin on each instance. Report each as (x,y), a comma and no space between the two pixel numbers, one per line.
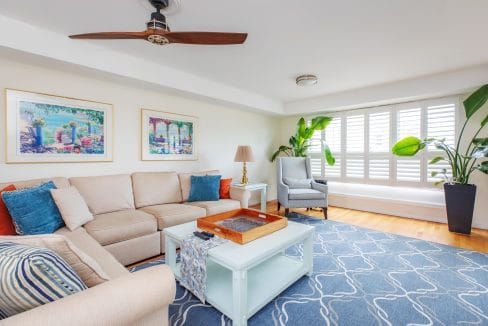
(430,231)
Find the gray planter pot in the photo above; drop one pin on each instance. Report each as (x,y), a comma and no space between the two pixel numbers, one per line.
(460,205)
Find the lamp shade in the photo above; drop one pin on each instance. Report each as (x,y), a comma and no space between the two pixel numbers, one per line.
(244,154)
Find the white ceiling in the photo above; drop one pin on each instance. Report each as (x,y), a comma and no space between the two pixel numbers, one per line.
(349,44)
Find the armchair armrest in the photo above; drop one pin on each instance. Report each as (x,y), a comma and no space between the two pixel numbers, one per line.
(283,193)
(320,187)
(240,194)
(136,298)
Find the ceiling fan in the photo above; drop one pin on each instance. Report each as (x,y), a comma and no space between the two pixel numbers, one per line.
(158,32)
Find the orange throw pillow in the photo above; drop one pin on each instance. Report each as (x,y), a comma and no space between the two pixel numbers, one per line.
(6,224)
(225,188)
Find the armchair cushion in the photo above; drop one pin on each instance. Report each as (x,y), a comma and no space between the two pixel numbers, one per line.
(295,183)
(305,194)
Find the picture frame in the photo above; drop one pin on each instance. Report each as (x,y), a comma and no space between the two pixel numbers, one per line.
(168,136)
(45,128)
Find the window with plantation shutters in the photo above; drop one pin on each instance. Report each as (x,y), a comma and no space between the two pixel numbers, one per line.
(315,153)
(361,142)
(333,139)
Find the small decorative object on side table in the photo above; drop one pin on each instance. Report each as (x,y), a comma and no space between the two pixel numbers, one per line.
(244,154)
(255,186)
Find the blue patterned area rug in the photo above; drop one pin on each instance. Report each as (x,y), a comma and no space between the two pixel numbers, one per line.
(366,277)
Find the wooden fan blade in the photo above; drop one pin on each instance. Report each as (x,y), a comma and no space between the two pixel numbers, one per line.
(111,35)
(209,38)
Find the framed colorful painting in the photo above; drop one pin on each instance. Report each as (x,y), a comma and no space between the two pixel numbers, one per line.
(168,136)
(44,128)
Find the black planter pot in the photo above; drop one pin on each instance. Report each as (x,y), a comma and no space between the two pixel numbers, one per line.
(460,206)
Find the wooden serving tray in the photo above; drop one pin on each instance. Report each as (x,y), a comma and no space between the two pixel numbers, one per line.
(272,223)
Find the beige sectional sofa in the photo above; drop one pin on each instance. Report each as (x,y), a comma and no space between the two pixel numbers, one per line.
(130,211)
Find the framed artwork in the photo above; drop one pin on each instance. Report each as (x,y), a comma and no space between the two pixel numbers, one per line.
(168,136)
(42,128)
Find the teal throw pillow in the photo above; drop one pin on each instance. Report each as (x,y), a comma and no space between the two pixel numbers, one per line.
(33,210)
(33,276)
(204,188)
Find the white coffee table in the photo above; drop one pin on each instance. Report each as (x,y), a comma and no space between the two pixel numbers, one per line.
(241,279)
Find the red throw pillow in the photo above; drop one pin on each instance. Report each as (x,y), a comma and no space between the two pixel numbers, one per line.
(225,188)
(6,225)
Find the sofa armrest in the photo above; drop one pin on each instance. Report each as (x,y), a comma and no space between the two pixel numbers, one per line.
(320,187)
(240,194)
(132,299)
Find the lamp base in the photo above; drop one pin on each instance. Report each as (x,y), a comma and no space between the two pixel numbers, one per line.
(244,179)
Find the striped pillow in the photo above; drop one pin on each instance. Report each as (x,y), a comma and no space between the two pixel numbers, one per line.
(32,276)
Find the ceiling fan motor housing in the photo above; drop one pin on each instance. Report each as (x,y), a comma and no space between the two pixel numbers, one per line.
(158,21)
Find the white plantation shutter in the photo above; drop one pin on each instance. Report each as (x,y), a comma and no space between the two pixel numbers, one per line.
(441,123)
(333,135)
(316,142)
(379,132)
(355,134)
(316,166)
(408,123)
(379,169)
(408,170)
(355,167)
(333,140)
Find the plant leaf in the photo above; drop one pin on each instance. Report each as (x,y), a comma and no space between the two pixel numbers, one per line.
(481,141)
(434,173)
(408,146)
(436,159)
(483,167)
(476,101)
(302,126)
(328,155)
(281,149)
(439,182)
(485,121)
(480,152)
(320,123)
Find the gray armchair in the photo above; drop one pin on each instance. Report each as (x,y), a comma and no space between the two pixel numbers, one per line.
(296,186)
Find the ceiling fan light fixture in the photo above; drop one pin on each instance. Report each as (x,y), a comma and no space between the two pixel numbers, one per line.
(306,80)
(158,39)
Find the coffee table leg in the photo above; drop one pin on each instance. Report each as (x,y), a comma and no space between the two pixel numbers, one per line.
(308,254)
(239,297)
(263,199)
(170,254)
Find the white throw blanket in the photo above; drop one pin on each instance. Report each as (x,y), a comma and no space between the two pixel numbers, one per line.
(193,269)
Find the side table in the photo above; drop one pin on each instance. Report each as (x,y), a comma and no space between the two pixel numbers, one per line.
(253,187)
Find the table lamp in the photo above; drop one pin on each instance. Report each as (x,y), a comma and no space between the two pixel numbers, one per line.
(244,154)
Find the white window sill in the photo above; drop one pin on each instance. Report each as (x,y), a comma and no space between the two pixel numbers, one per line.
(402,195)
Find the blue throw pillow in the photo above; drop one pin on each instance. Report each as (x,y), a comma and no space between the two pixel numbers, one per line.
(33,276)
(204,188)
(33,210)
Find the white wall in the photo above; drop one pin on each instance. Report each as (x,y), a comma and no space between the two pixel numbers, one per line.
(379,199)
(221,128)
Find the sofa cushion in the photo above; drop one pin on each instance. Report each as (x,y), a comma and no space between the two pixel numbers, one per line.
(174,214)
(85,266)
(185,182)
(224,192)
(60,182)
(205,187)
(72,207)
(298,183)
(119,226)
(305,194)
(33,210)
(216,207)
(110,266)
(105,194)
(48,276)
(156,188)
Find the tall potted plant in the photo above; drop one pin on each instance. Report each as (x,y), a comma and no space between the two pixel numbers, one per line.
(298,144)
(459,193)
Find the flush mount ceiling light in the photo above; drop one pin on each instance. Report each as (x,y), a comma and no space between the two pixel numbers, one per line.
(306,80)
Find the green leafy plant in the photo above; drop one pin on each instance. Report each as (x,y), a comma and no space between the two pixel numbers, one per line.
(298,144)
(463,164)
